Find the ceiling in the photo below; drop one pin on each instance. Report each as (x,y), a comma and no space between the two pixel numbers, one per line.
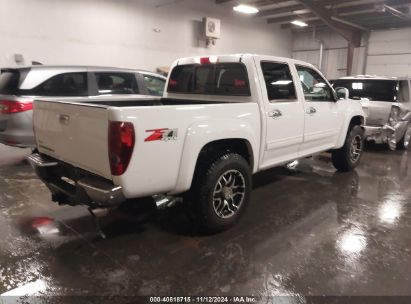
(363,15)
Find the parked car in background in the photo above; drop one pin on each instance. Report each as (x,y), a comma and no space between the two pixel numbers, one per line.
(387,104)
(221,119)
(20,86)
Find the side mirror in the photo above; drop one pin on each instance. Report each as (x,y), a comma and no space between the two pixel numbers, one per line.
(342,93)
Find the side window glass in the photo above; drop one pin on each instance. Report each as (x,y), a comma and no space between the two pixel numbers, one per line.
(68,84)
(314,86)
(278,81)
(155,85)
(404,91)
(116,83)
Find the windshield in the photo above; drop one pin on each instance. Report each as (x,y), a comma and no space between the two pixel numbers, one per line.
(371,89)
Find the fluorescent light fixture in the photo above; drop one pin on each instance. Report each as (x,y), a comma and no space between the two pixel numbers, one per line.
(246,9)
(299,23)
(357,85)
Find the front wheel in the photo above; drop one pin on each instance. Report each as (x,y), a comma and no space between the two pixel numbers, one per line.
(221,192)
(405,141)
(349,156)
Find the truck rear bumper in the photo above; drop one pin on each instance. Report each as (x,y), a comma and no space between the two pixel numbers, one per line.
(75,188)
(380,134)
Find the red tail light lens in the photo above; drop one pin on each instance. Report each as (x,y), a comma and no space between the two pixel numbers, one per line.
(11,107)
(121,140)
(205,60)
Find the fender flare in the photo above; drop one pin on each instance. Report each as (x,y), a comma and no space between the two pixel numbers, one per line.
(203,133)
(347,122)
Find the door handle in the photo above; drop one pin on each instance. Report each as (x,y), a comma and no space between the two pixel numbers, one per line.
(311,110)
(275,114)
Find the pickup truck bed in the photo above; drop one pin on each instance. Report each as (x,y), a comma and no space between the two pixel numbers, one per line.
(77,134)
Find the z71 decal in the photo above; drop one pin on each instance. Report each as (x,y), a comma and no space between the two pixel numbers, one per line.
(162,134)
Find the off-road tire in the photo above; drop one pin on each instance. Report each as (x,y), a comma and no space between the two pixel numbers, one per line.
(201,196)
(342,158)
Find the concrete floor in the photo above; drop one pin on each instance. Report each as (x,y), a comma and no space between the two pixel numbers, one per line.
(309,231)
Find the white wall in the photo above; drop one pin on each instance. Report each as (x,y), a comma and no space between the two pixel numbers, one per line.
(388,53)
(306,48)
(121,32)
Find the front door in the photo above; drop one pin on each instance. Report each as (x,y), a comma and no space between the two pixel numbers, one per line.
(322,121)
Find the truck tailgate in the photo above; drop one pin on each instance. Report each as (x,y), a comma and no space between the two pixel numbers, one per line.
(73,133)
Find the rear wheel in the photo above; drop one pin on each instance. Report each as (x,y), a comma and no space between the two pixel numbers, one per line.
(349,156)
(405,141)
(220,192)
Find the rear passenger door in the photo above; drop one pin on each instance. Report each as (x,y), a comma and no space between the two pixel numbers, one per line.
(322,119)
(284,113)
(62,85)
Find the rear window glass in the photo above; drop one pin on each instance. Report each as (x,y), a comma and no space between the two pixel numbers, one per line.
(9,83)
(229,79)
(372,89)
(117,83)
(62,85)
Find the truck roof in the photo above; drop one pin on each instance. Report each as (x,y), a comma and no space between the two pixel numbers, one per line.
(237,57)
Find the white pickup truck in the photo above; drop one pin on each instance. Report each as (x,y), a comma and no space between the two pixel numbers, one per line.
(221,119)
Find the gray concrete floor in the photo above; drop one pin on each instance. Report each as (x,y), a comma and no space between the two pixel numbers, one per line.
(309,231)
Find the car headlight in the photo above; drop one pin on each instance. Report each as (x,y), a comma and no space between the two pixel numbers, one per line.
(394,116)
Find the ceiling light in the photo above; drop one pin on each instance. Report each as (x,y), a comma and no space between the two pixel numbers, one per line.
(299,23)
(246,9)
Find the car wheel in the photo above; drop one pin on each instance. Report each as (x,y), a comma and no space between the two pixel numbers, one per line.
(349,156)
(405,141)
(221,192)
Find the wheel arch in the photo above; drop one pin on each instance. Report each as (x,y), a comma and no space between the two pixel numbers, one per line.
(241,146)
(355,119)
(231,145)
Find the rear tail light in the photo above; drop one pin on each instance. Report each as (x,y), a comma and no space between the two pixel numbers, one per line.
(394,116)
(121,140)
(12,107)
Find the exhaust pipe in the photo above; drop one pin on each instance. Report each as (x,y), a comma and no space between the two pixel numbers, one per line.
(163,201)
(99,212)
